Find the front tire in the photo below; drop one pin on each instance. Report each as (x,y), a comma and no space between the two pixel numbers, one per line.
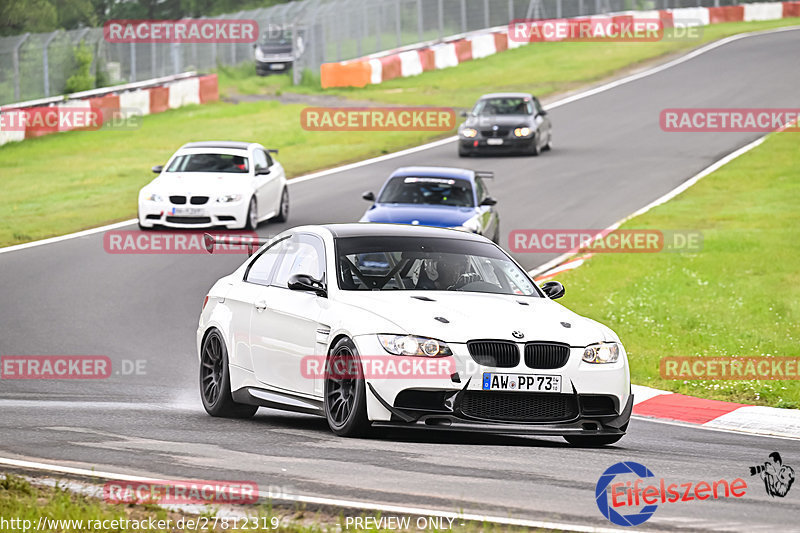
(283,213)
(463,153)
(535,150)
(346,394)
(215,380)
(251,223)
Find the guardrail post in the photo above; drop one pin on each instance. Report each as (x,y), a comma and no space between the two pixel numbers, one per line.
(396,23)
(463,16)
(133,61)
(486,13)
(441,18)
(46,63)
(15,59)
(419,21)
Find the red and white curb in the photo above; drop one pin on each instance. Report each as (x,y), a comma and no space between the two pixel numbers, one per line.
(715,414)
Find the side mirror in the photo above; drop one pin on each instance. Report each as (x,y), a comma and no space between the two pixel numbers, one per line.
(263,171)
(157,169)
(463,114)
(541,113)
(369,196)
(304,282)
(488,201)
(553,289)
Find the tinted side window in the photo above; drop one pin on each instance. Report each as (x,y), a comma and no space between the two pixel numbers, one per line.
(305,254)
(480,190)
(537,105)
(260,159)
(261,269)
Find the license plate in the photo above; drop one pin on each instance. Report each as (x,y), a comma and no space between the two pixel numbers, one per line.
(522,382)
(494,142)
(277,66)
(188,211)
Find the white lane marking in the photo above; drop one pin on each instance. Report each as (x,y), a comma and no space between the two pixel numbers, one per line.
(658,201)
(441,142)
(111,406)
(68,236)
(400,509)
(689,425)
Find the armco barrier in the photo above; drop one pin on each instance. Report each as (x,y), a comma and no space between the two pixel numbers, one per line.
(451,51)
(141,98)
(791,9)
(725,14)
(766,11)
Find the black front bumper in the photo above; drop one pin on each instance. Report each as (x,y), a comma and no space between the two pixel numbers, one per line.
(452,417)
(510,145)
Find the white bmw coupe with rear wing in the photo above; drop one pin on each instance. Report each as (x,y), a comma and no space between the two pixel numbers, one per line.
(217,183)
(407,326)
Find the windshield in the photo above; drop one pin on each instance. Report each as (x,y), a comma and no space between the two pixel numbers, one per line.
(235,164)
(383,263)
(504,106)
(434,191)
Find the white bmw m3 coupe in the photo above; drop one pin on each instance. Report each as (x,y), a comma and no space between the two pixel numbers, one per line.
(374,325)
(217,183)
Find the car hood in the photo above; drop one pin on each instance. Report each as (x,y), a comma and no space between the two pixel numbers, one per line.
(473,316)
(487,121)
(425,215)
(207,183)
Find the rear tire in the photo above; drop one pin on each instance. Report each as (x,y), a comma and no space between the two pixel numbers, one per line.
(345,394)
(215,380)
(283,210)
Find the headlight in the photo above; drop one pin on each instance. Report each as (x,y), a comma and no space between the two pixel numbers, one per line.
(522,132)
(154,198)
(602,352)
(259,54)
(469,132)
(412,345)
(470,225)
(229,198)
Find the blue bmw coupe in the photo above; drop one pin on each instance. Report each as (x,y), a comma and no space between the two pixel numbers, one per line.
(444,197)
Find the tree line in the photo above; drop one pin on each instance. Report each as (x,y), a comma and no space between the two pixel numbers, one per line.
(39,16)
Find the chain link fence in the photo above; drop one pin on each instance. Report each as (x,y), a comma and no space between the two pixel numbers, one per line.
(34,66)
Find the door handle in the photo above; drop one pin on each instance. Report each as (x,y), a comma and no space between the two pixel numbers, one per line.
(260,305)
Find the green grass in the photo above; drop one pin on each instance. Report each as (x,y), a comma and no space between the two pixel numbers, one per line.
(22,501)
(739,296)
(66,182)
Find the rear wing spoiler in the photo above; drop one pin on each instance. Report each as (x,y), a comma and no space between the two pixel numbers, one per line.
(485,174)
(251,242)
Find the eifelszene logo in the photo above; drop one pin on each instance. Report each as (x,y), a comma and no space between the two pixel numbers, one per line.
(631,493)
(778,477)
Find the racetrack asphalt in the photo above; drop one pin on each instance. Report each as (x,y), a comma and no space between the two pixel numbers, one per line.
(610,158)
